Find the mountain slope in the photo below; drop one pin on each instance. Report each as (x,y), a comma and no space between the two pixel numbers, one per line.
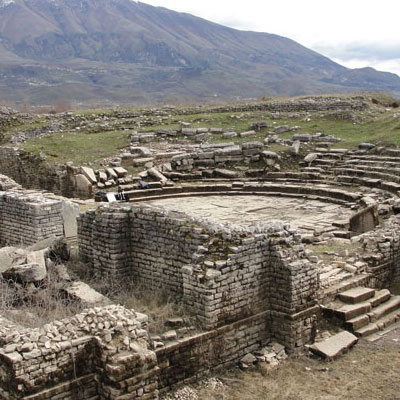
(84,49)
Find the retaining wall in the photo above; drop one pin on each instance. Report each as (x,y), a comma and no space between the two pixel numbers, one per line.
(101,353)
(30,170)
(222,273)
(33,172)
(382,252)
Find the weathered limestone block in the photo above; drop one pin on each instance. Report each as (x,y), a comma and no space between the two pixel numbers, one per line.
(141,152)
(302,137)
(365,220)
(247,134)
(121,172)
(157,175)
(189,131)
(111,173)
(5,260)
(282,129)
(83,186)
(26,273)
(226,173)
(89,174)
(80,291)
(228,135)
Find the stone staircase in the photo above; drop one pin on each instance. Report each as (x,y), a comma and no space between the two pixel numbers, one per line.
(380,171)
(361,312)
(364,311)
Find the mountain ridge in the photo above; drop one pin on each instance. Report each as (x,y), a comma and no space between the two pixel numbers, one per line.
(112,47)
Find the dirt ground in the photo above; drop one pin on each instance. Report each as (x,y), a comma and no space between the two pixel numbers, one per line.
(368,371)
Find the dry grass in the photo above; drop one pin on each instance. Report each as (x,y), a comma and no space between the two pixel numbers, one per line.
(35,306)
(157,304)
(369,371)
(333,248)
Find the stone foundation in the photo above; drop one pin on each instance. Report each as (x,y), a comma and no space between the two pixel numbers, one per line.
(221,273)
(100,353)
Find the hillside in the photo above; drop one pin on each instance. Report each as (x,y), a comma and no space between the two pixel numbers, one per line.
(125,51)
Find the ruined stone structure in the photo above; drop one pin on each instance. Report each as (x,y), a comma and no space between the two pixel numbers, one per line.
(30,170)
(100,353)
(26,218)
(246,284)
(220,273)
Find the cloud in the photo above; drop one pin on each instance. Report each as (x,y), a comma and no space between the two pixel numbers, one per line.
(392,65)
(359,50)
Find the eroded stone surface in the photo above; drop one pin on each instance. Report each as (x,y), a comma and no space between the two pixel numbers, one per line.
(304,214)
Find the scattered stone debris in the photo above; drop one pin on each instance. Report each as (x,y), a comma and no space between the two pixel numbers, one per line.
(272,354)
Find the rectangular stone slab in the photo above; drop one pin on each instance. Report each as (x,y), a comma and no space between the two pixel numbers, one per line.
(350,311)
(355,295)
(335,345)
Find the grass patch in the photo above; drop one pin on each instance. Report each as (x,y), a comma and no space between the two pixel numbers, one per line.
(327,252)
(79,147)
(91,145)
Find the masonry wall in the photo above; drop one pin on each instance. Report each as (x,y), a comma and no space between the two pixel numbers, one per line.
(382,252)
(104,240)
(223,273)
(29,170)
(101,353)
(162,243)
(265,272)
(26,219)
(194,356)
(299,105)
(33,172)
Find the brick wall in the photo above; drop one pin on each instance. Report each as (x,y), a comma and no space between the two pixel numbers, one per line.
(26,218)
(223,273)
(100,353)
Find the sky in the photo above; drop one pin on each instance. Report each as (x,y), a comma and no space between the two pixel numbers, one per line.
(354,33)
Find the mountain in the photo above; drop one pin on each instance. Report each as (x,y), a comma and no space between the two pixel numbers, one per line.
(127,51)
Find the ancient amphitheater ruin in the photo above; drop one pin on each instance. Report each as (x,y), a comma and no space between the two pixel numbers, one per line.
(259,249)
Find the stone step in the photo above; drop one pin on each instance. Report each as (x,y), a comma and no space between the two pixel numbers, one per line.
(376,336)
(388,319)
(367,167)
(353,281)
(356,295)
(342,234)
(324,163)
(357,322)
(378,325)
(365,173)
(367,330)
(335,345)
(385,308)
(380,297)
(350,311)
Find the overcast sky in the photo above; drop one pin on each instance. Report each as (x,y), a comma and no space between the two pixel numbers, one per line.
(354,33)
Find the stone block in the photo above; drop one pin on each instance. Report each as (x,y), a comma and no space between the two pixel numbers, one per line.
(26,273)
(89,173)
(80,291)
(335,345)
(228,135)
(121,172)
(70,212)
(365,220)
(83,186)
